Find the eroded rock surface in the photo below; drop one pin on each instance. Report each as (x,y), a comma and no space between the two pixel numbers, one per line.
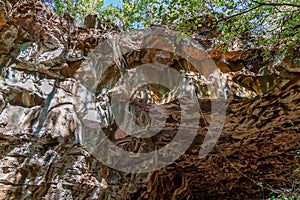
(44,105)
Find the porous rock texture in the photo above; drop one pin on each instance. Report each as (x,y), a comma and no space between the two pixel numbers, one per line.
(40,120)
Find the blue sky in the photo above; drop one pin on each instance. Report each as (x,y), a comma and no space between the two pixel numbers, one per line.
(113,2)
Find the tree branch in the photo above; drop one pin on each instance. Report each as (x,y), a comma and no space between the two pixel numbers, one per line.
(276,4)
(259,4)
(237,14)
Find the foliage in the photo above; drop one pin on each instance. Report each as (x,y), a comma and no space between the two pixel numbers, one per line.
(280,195)
(78,8)
(254,22)
(290,194)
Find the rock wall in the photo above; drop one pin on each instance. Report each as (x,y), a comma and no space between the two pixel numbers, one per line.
(40,126)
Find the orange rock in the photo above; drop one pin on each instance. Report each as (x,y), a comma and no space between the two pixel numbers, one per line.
(2,18)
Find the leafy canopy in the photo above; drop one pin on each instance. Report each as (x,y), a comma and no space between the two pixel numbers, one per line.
(254,22)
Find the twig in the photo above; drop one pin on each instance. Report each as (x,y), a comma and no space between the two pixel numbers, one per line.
(240,13)
(276,4)
(259,4)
